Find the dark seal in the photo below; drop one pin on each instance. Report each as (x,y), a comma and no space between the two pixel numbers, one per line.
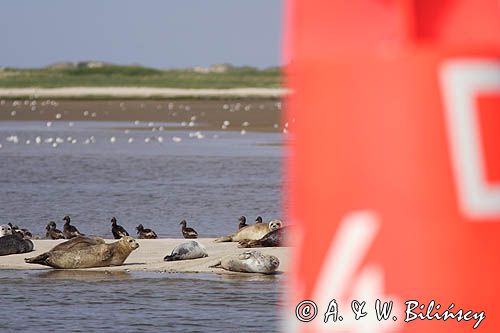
(13,244)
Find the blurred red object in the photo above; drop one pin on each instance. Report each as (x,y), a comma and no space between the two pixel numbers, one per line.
(394,169)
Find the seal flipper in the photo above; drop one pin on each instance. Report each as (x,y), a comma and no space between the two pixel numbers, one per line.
(223,239)
(217,265)
(40,259)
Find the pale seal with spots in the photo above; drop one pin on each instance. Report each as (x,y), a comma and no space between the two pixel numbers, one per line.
(5,230)
(97,255)
(250,262)
(252,232)
(188,250)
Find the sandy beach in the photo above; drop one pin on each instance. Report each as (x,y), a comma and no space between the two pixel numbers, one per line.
(149,257)
(141,92)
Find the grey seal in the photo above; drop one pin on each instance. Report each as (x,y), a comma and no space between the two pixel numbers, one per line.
(13,244)
(250,262)
(188,250)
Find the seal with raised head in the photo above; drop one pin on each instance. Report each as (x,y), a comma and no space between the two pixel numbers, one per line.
(5,230)
(274,238)
(13,244)
(250,262)
(252,232)
(188,250)
(53,232)
(99,255)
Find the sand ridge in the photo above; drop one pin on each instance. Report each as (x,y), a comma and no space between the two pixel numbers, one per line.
(149,257)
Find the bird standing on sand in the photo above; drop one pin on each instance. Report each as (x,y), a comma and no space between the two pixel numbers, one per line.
(70,231)
(53,232)
(243,222)
(258,219)
(117,230)
(188,232)
(145,233)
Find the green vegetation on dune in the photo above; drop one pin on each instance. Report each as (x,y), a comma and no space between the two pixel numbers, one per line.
(105,75)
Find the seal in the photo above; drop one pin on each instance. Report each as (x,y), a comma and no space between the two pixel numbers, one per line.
(5,230)
(243,222)
(53,232)
(274,238)
(117,230)
(188,250)
(252,232)
(99,255)
(70,231)
(187,232)
(145,233)
(250,262)
(12,244)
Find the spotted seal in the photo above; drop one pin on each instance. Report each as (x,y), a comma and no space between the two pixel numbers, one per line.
(13,244)
(188,250)
(250,262)
(98,255)
(251,232)
(5,230)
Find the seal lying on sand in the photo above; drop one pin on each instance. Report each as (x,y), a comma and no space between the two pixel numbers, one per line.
(250,262)
(12,244)
(188,250)
(98,255)
(251,232)
(5,230)
(272,239)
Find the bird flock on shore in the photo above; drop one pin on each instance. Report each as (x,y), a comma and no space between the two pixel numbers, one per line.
(70,231)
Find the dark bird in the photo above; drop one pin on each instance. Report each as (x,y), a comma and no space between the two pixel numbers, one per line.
(188,232)
(117,230)
(243,222)
(145,233)
(24,233)
(70,231)
(258,219)
(53,232)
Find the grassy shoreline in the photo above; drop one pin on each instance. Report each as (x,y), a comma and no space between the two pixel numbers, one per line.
(137,76)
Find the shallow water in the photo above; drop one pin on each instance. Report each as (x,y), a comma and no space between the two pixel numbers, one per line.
(78,301)
(208,181)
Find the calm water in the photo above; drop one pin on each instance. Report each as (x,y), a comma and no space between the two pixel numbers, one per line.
(136,302)
(208,181)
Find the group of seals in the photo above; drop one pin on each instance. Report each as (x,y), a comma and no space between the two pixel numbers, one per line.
(252,232)
(86,252)
(274,238)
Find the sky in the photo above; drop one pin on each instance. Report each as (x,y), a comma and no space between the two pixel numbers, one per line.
(154,33)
